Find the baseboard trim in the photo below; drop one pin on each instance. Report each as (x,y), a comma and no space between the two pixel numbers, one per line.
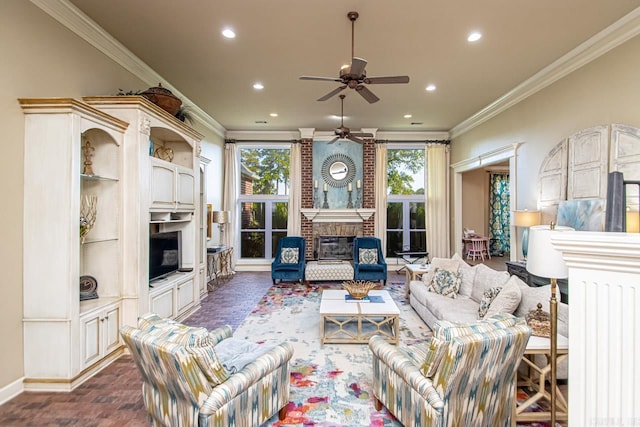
(11,390)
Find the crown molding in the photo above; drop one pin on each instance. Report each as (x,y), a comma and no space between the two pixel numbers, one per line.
(417,136)
(611,37)
(83,26)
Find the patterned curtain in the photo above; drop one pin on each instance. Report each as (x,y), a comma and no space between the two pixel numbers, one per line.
(499,214)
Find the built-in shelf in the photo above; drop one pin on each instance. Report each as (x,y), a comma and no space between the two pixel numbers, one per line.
(93,304)
(337,215)
(166,217)
(97,178)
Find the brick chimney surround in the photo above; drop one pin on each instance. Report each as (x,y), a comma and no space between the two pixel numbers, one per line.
(358,222)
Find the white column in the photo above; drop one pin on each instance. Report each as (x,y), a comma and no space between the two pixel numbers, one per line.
(604,327)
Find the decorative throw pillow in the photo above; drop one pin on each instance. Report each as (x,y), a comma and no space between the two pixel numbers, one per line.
(441,263)
(508,299)
(487,278)
(486,300)
(289,256)
(445,283)
(468,275)
(368,256)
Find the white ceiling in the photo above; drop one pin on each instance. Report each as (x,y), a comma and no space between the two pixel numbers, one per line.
(279,40)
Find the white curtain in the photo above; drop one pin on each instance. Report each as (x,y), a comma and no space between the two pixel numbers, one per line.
(381,194)
(437,201)
(295,191)
(230,197)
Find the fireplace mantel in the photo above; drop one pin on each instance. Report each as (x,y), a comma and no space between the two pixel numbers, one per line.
(337,215)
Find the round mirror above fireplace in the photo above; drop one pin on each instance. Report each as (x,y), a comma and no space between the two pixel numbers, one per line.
(338,170)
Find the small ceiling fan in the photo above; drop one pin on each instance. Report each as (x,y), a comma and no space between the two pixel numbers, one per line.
(344,132)
(354,76)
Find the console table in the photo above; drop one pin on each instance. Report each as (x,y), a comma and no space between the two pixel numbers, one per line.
(218,264)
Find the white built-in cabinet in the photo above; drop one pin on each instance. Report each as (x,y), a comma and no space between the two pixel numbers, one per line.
(67,340)
(57,343)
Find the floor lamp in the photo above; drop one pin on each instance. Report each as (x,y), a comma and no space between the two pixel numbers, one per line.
(525,219)
(545,261)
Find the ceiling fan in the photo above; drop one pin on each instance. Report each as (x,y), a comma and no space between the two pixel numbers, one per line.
(344,132)
(354,76)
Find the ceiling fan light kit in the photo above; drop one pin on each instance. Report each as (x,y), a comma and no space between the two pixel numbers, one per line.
(354,76)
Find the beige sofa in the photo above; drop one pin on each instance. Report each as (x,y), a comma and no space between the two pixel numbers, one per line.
(515,297)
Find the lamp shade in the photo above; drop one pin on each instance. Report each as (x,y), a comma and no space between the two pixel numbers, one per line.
(221,217)
(543,259)
(633,222)
(526,218)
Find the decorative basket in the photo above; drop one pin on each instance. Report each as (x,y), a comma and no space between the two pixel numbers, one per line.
(163,98)
(358,289)
(539,322)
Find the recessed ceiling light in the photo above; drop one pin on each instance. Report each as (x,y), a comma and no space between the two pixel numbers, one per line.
(229,33)
(430,88)
(474,37)
(258,86)
(407,116)
(274,114)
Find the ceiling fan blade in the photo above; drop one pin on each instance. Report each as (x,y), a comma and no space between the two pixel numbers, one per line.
(334,139)
(357,66)
(324,79)
(362,135)
(367,94)
(354,139)
(386,80)
(332,93)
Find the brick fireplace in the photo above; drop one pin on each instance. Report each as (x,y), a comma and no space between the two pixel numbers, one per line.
(351,224)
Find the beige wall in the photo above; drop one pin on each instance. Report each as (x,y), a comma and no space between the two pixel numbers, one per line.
(40,58)
(602,92)
(475,202)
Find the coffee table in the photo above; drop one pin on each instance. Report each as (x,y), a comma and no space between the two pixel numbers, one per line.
(356,322)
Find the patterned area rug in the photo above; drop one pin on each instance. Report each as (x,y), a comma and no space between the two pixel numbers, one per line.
(330,384)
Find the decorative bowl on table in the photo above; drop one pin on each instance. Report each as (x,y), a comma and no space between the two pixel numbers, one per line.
(358,289)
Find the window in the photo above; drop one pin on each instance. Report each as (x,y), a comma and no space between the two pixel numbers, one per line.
(406,228)
(264,200)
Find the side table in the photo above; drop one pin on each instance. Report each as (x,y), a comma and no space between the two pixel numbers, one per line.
(536,378)
(414,272)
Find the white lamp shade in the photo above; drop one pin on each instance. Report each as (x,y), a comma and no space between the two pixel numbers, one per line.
(543,259)
(526,218)
(221,217)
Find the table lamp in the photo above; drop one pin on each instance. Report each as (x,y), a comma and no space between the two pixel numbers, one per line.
(221,218)
(633,221)
(525,219)
(545,261)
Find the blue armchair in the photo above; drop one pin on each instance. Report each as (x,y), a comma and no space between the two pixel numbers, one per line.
(368,260)
(288,264)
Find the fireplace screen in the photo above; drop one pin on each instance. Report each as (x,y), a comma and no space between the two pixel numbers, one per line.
(334,247)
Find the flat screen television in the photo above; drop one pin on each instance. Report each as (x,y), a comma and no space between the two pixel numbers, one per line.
(164,253)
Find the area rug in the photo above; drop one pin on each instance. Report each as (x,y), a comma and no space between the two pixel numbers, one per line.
(331,383)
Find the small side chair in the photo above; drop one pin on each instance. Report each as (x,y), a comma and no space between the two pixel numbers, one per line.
(289,262)
(368,260)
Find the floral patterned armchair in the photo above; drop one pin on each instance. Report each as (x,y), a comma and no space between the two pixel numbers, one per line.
(464,376)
